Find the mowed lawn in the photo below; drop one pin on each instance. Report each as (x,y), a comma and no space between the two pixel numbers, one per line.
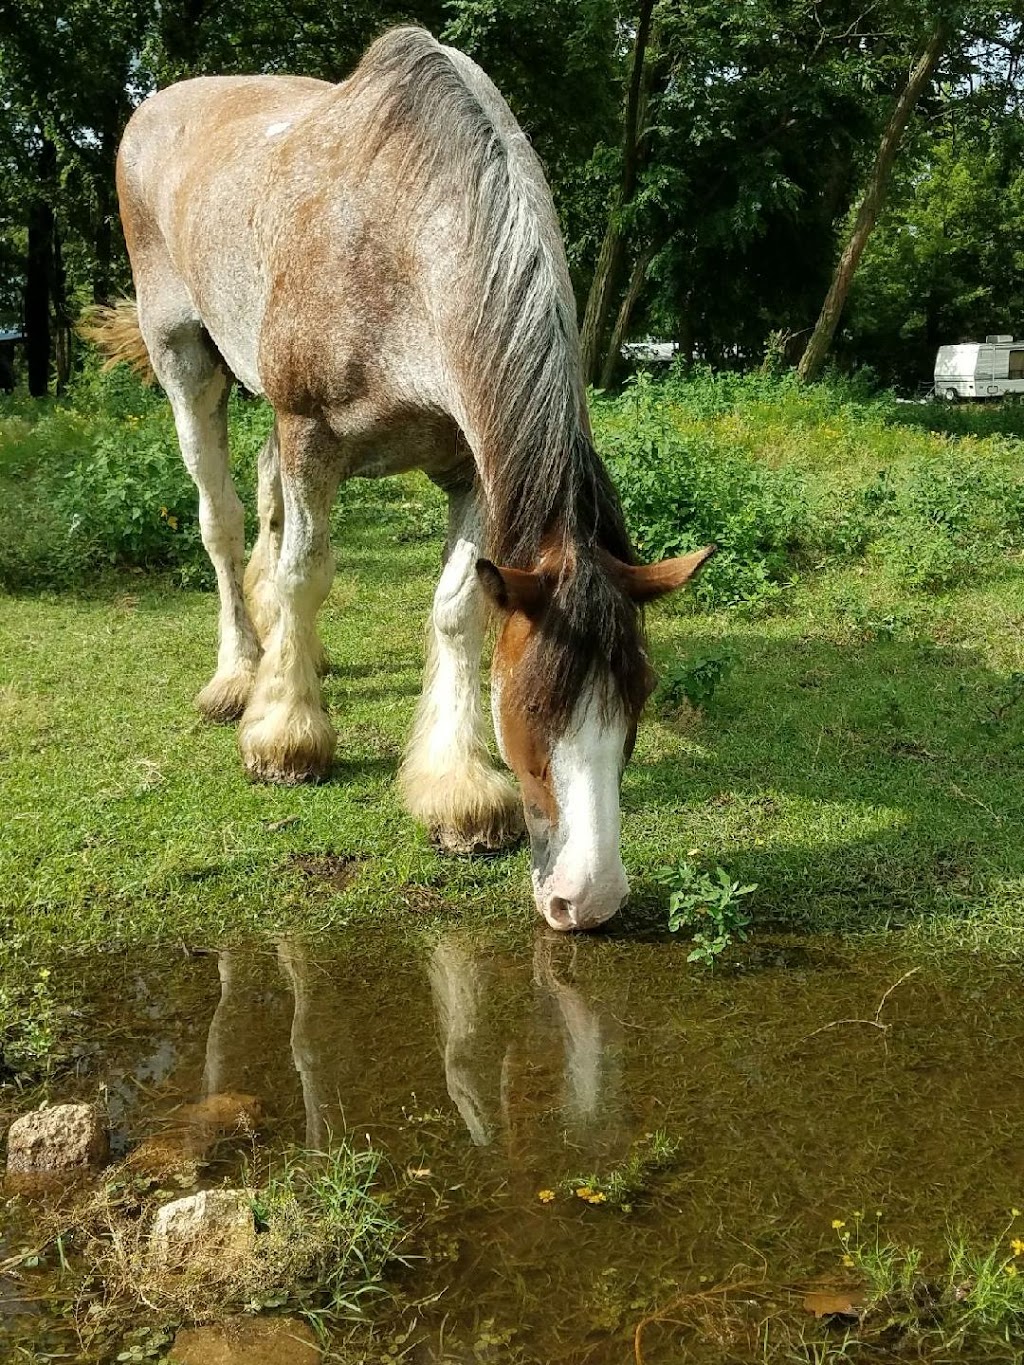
(861,759)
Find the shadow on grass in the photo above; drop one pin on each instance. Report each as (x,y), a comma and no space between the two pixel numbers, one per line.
(861,786)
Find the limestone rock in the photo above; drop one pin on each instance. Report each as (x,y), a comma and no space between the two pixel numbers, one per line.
(214,1225)
(66,1137)
(247,1341)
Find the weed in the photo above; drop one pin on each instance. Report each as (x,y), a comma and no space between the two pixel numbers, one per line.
(694,681)
(31,1018)
(709,905)
(1006,698)
(979,1292)
(325,1237)
(623,1185)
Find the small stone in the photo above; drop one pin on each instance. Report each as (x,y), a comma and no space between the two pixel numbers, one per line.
(212,1225)
(247,1341)
(66,1137)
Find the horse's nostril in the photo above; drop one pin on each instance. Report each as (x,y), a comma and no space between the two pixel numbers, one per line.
(559,913)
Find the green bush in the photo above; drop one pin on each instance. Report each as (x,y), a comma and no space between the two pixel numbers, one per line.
(688,476)
(97,481)
(783,478)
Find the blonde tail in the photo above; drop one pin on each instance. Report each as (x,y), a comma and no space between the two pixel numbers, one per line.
(114,330)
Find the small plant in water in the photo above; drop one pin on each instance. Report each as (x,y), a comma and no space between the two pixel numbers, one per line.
(709,905)
(620,1187)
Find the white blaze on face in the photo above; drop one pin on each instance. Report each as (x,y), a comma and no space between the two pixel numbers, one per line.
(583,881)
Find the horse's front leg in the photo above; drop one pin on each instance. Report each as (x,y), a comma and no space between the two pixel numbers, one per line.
(447,779)
(285,735)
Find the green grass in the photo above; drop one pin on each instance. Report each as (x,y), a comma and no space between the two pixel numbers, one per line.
(861,759)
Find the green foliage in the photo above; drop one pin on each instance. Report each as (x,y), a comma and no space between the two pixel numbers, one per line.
(690,458)
(623,1185)
(709,905)
(30,1018)
(327,1234)
(978,1294)
(694,680)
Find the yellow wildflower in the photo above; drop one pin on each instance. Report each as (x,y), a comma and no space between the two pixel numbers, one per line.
(172,522)
(838,1223)
(1017,1246)
(596,1198)
(1015,1213)
(163,511)
(1010,1270)
(848,1261)
(584,1192)
(545,1196)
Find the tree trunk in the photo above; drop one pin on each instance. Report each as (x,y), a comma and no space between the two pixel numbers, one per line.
(61,316)
(613,247)
(38,278)
(103,238)
(874,196)
(637,280)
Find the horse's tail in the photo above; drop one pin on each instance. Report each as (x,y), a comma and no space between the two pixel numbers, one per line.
(114,330)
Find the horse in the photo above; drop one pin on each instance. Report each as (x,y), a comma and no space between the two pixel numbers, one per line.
(381,260)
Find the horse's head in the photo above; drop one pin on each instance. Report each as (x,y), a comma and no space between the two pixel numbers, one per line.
(569,679)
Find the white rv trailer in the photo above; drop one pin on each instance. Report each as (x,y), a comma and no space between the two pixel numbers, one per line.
(993,368)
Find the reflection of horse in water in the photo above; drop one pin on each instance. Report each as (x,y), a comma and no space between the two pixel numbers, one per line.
(459,1000)
(515,1054)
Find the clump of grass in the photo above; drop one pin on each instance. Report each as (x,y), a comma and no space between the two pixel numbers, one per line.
(326,1231)
(977,1295)
(325,1237)
(622,1185)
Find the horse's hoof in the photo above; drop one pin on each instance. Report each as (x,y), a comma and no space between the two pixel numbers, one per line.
(225,696)
(481,835)
(287,745)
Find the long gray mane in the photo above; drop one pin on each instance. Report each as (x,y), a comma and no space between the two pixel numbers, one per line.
(515,357)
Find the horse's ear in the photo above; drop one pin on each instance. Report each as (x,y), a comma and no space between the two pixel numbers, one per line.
(645,582)
(512,589)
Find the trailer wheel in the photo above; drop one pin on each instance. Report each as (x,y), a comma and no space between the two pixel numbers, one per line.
(951,396)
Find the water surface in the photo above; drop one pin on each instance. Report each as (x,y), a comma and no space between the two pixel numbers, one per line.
(489,1074)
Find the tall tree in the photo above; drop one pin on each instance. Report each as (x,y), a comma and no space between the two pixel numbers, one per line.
(613,247)
(871,203)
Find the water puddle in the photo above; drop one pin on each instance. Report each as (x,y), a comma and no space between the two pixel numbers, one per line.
(806,1086)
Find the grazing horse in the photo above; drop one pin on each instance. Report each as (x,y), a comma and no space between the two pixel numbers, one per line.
(381,259)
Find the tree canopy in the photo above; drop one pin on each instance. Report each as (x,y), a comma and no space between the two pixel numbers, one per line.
(707,158)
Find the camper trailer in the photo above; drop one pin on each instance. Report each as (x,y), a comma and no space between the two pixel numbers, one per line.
(993,368)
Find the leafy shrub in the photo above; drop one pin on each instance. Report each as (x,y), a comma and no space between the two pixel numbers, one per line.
(709,906)
(695,680)
(691,458)
(680,493)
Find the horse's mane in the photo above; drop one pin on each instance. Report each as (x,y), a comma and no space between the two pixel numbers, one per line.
(516,359)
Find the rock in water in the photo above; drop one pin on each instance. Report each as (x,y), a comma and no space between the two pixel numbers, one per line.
(214,1225)
(247,1341)
(67,1137)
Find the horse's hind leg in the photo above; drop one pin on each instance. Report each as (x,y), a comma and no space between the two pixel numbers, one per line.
(259,574)
(447,779)
(197,385)
(260,593)
(285,735)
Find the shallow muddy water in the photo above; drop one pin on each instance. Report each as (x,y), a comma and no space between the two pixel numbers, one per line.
(487,1075)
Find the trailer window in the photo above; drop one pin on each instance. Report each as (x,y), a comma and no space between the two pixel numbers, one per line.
(1016,370)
